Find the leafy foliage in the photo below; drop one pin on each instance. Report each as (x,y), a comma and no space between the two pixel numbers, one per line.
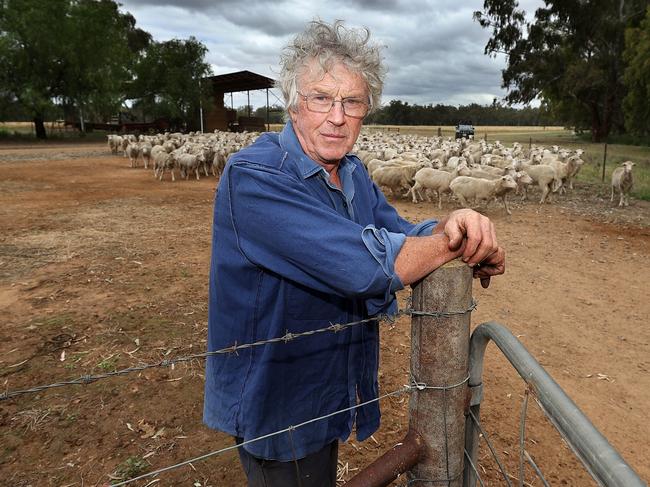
(397,112)
(89,57)
(637,78)
(570,56)
(167,78)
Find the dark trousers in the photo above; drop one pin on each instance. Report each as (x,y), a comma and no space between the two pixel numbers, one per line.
(315,470)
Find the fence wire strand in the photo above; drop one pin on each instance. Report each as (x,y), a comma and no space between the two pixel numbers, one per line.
(471,464)
(491,447)
(287,337)
(403,390)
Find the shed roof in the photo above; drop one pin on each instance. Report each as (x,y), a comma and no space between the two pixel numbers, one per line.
(240,81)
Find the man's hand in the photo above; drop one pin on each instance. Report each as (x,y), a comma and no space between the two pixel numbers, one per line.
(482,252)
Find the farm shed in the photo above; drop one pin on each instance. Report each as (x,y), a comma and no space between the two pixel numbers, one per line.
(222,118)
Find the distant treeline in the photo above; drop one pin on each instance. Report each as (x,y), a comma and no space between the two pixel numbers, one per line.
(397,112)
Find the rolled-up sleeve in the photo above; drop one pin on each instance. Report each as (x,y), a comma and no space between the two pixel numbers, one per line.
(384,247)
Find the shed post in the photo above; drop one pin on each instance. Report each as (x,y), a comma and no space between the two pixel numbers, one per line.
(440,366)
(268,124)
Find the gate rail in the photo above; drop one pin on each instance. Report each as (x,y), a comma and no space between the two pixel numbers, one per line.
(598,456)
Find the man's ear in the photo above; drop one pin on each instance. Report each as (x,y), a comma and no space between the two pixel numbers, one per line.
(292,114)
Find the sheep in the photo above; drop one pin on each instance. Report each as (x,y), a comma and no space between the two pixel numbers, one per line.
(189,162)
(114,143)
(394,178)
(145,152)
(436,180)
(132,151)
(163,160)
(477,189)
(398,176)
(545,177)
(622,182)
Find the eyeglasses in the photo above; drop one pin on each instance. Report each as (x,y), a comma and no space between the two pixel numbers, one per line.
(352,107)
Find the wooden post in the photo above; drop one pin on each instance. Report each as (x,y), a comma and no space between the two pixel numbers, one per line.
(604,161)
(440,365)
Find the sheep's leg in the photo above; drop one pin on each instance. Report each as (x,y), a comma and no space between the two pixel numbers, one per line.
(172,171)
(197,173)
(545,191)
(505,203)
(612,198)
(205,169)
(462,200)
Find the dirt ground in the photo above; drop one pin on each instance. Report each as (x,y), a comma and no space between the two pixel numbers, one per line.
(102,268)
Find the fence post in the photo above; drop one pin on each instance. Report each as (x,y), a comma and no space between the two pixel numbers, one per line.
(440,364)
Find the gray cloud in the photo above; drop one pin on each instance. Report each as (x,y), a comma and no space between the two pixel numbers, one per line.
(434,50)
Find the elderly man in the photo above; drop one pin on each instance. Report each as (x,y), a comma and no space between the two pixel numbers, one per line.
(303,238)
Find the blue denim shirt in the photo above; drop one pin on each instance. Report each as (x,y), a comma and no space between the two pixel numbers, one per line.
(291,252)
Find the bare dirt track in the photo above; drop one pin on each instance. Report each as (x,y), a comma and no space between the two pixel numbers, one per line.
(102,268)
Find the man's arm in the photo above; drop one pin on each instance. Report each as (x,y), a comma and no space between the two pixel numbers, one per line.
(463,233)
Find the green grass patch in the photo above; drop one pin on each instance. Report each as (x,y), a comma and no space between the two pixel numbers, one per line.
(131,467)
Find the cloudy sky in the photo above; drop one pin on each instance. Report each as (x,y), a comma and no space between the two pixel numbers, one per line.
(434,50)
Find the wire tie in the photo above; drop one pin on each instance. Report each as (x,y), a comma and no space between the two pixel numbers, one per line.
(288,336)
(86,379)
(164,363)
(335,327)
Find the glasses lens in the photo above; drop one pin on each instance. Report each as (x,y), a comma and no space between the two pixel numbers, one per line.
(352,107)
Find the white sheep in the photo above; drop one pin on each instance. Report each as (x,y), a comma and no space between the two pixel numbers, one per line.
(163,160)
(435,180)
(145,152)
(132,151)
(189,162)
(468,188)
(114,143)
(622,181)
(545,177)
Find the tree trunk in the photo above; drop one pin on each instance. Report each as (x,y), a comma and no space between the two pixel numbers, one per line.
(596,124)
(39,125)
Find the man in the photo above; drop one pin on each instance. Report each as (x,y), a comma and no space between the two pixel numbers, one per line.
(303,238)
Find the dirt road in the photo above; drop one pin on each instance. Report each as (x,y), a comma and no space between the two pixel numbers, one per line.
(102,267)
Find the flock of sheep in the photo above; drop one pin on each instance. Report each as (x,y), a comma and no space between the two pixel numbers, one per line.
(473,171)
(194,152)
(402,165)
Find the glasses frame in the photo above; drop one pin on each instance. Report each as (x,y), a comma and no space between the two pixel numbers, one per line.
(342,102)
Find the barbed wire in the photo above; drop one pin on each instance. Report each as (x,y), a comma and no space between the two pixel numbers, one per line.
(289,429)
(287,337)
(413,386)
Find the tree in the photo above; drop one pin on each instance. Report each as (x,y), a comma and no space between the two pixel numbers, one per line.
(167,80)
(74,52)
(570,56)
(637,78)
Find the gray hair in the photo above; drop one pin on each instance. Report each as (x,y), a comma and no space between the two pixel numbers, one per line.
(331,44)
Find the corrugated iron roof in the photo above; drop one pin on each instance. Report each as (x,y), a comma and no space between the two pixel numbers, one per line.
(240,81)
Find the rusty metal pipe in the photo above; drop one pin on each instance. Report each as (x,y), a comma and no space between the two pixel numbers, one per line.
(398,460)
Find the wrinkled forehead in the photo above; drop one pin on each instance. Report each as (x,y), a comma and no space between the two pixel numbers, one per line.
(331,72)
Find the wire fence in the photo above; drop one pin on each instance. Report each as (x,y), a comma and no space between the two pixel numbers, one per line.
(525,459)
(287,337)
(415,384)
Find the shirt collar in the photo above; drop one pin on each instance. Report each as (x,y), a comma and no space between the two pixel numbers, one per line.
(307,166)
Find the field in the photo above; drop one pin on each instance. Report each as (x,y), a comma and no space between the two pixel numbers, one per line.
(102,268)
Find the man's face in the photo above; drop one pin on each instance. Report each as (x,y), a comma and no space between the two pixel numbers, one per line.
(327,137)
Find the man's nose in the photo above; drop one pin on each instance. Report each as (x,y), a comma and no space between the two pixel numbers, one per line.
(336,114)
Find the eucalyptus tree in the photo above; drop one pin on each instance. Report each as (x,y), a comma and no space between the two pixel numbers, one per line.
(78,53)
(637,78)
(569,55)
